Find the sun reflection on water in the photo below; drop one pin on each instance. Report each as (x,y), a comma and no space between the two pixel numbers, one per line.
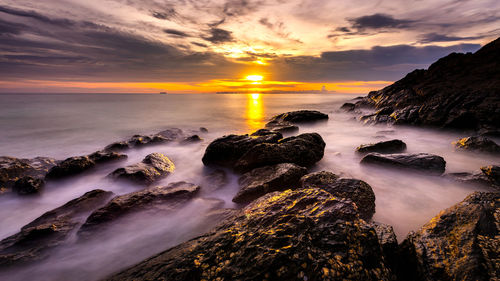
(254,112)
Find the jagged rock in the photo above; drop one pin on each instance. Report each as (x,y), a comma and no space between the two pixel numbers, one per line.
(461,243)
(261,181)
(106,156)
(70,166)
(392,146)
(303,234)
(154,166)
(303,150)
(423,162)
(28,185)
(480,144)
(225,151)
(166,197)
(388,242)
(12,169)
(348,106)
(49,230)
(358,191)
(493,173)
(284,122)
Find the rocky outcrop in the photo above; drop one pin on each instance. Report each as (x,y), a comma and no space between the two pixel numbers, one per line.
(348,106)
(459,91)
(392,146)
(303,150)
(476,179)
(49,230)
(225,151)
(461,243)
(493,173)
(423,162)
(261,181)
(13,169)
(166,197)
(28,185)
(135,141)
(154,166)
(356,190)
(304,234)
(284,122)
(480,144)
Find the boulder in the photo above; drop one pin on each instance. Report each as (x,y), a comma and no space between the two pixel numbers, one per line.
(304,234)
(70,166)
(285,128)
(164,197)
(423,162)
(191,139)
(165,136)
(28,185)
(358,191)
(389,243)
(153,167)
(284,122)
(225,151)
(304,150)
(476,179)
(348,106)
(261,181)
(12,169)
(392,146)
(106,156)
(50,230)
(461,243)
(493,173)
(480,144)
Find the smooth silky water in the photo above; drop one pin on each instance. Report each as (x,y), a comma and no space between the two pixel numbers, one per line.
(61,126)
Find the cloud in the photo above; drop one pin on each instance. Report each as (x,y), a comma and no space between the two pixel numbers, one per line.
(378,21)
(34,15)
(436,37)
(176,32)
(166,14)
(218,36)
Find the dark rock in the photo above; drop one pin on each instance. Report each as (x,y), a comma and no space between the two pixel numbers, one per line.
(166,197)
(303,150)
(424,162)
(225,151)
(469,178)
(300,116)
(285,128)
(192,139)
(459,91)
(388,242)
(348,106)
(49,230)
(214,180)
(117,146)
(12,169)
(165,136)
(304,234)
(154,166)
(392,146)
(171,134)
(28,185)
(71,166)
(493,173)
(261,181)
(461,243)
(480,144)
(106,156)
(203,130)
(358,191)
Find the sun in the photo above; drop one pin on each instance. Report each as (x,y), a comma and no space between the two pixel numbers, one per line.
(255,78)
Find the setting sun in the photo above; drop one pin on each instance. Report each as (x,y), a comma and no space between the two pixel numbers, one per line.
(254,78)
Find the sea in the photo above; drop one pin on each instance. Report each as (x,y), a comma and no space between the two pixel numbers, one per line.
(65,125)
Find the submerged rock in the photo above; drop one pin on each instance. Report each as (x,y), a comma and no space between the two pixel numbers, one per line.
(49,230)
(28,185)
(215,180)
(304,234)
(461,243)
(392,146)
(106,156)
(13,169)
(191,139)
(166,197)
(423,162)
(154,166)
(348,106)
(225,151)
(356,190)
(284,122)
(477,179)
(480,144)
(303,150)
(261,181)
(70,166)
(165,136)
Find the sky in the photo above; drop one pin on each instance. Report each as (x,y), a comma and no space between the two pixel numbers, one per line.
(195,46)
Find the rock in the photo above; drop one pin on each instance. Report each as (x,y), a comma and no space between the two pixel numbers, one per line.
(117,146)
(300,116)
(166,197)
(28,185)
(285,128)
(192,139)
(459,91)
(304,234)
(225,151)
(70,166)
(461,243)
(106,156)
(303,150)
(154,166)
(424,162)
(203,130)
(172,134)
(480,144)
(261,181)
(50,230)
(12,169)
(469,178)
(215,180)
(168,135)
(392,146)
(358,191)
(348,106)
(493,173)
(388,242)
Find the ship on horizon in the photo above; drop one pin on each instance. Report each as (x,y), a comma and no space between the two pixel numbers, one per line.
(163,93)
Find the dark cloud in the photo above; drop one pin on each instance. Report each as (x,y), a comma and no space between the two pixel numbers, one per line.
(235,8)
(378,21)
(176,32)
(436,37)
(218,36)
(34,15)
(10,27)
(199,44)
(166,14)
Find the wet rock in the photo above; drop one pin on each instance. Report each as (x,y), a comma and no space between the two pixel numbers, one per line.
(304,234)
(356,190)
(348,106)
(461,243)
(117,146)
(215,180)
(475,179)
(135,141)
(171,134)
(261,181)
(50,230)
(225,151)
(480,144)
(285,128)
(154,166)
(12,169)
(300,116)
(70,166)
(388,242)
(392,146)
(192,139)
(424,162)
(106,156)
(493,173)
(28,185)
(166,197)
(203,130)
(304,150)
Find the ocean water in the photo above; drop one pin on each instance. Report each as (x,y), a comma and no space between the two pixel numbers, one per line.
(61,126)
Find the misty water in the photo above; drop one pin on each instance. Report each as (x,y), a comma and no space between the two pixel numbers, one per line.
(61,126)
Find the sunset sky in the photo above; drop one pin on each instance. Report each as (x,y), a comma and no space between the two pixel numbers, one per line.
(191,46)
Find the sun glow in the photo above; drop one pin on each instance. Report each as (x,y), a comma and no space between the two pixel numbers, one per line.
(254,114)
(255,78)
